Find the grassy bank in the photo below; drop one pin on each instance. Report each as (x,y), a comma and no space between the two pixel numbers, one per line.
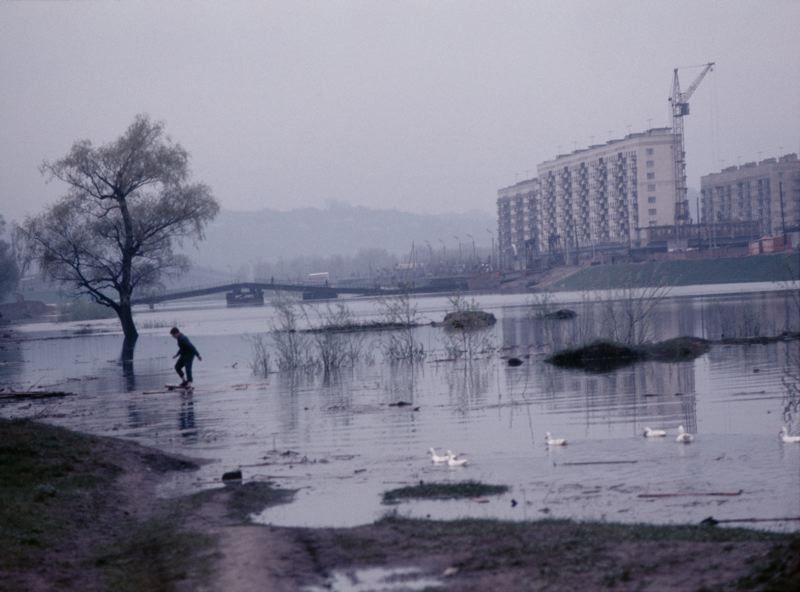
(758,268)
(68,522)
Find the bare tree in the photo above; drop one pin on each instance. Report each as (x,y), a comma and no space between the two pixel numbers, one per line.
(9,271)
(129,203)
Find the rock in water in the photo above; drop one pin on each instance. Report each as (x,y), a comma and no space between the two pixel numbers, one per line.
(232,475)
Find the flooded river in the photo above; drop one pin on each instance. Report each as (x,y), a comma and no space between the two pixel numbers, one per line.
(341,440)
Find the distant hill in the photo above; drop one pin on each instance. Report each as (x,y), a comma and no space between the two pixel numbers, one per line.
(237,238)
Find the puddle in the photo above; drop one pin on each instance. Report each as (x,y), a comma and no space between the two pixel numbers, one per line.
(378,579)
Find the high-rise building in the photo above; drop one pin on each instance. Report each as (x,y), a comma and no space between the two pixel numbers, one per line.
(517,216)
(767,192)
(594,198)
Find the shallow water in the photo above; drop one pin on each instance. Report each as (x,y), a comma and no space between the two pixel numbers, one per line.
(340,443)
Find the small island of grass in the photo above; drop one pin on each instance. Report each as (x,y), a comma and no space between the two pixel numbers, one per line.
(604,355)
(462,489)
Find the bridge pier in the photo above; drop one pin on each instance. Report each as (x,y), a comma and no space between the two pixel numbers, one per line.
(245,296)
(320,294)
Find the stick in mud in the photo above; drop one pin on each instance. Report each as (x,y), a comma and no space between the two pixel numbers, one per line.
(599,462)
(694,494)
(34,394)
(789,519)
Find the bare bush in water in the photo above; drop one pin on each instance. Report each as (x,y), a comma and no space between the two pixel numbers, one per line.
(584,327)
(337,345)
(400,345)
(627,316)
(291,346)
(259,355)
(540,304)
(464,340)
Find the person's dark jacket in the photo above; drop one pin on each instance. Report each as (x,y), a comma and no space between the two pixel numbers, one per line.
(186,349)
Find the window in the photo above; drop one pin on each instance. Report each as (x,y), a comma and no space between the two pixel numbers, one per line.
(651,176)
(652,211)
(650,152)
(651,199)
(650,164)
(651,187)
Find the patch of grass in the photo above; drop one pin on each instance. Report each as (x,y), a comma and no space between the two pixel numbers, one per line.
(468,319)
(598,356)
(603,355)
(782,572)
(582,531)
(756,268)
(156,555)
(45,475)
(443,491)
(59,499)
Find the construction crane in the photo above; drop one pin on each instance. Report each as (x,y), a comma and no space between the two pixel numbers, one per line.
(679,103)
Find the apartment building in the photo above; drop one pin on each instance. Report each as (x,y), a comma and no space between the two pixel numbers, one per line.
(593,198)
(517,218)
(766,192)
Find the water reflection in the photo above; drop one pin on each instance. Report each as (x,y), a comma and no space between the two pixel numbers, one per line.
(186,425)
(356,440)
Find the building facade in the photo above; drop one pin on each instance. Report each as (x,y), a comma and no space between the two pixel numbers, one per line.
(517,218)
(767,192)
(594,198)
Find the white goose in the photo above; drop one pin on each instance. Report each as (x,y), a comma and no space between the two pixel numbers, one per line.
(651,433)
(438,458)
(683,436)
(787,439)
(454,460)
(550,441)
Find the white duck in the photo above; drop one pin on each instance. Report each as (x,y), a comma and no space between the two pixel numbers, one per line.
(438,458)
(550,441)
(454,460)
(683,436)
(651,433)
(786,438)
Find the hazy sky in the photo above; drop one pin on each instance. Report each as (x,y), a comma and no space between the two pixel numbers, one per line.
(422,106)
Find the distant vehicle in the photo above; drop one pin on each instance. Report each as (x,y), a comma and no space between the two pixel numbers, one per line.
(321,278)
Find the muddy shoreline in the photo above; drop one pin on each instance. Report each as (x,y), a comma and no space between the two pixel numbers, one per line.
(80,512)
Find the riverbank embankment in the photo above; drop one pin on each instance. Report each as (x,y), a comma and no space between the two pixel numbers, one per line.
(783,267)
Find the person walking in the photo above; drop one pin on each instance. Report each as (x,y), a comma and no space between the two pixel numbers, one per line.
(186,354)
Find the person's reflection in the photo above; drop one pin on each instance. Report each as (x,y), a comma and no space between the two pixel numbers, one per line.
(186,426)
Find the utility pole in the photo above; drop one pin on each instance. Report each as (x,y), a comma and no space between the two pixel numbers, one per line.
(783,220)
(491,255)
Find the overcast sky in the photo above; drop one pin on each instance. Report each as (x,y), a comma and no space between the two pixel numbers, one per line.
(420,106)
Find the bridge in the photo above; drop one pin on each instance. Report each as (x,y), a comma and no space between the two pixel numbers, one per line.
(252,293)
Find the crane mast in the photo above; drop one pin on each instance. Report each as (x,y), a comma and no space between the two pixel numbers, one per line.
(679,103)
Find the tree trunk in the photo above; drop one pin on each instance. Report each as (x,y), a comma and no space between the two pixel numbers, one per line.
(126,361)
(128,327)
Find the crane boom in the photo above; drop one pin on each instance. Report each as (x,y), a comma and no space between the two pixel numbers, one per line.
(679,102)
(690,91)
